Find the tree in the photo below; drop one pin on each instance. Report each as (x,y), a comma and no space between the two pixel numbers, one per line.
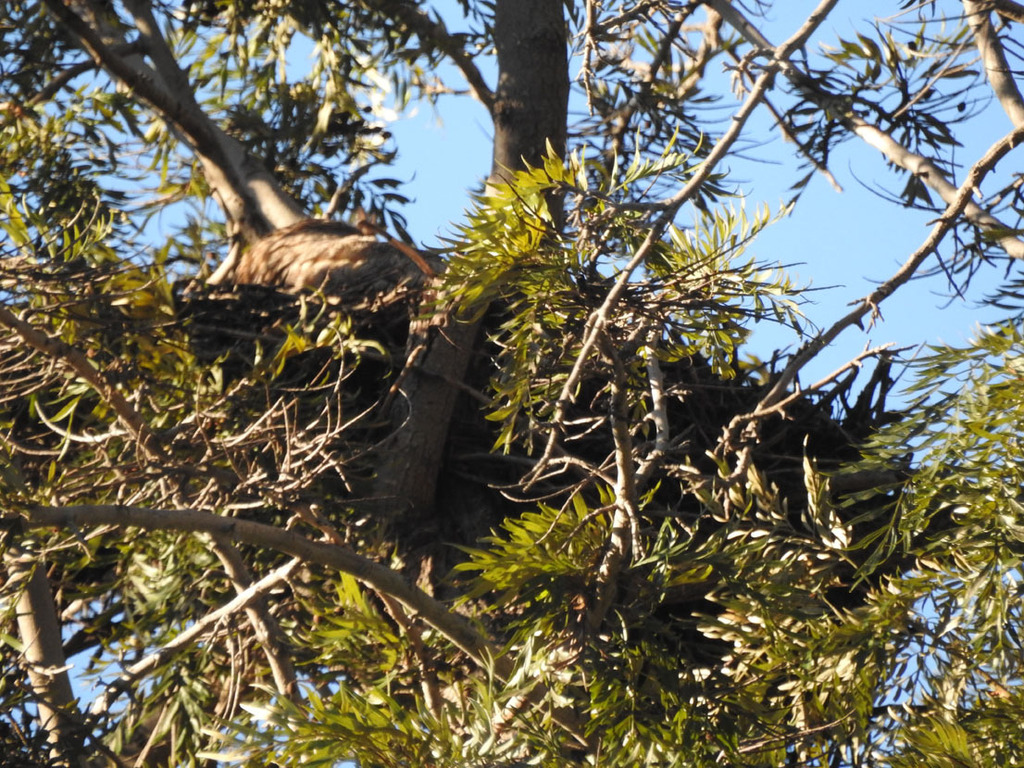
(545,506)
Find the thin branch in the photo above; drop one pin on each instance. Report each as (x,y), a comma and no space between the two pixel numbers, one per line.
(643,9)
(77,361)
(253,592)
(428,679)
(948,68)
(267,630)
(997,70)
(869,304)
(659,402)
(779,59)
(789,135)
(65,76)
(599,318)
(621,118)
(789,738)
(922,167)
(624,535)
(434,32)
(779,406)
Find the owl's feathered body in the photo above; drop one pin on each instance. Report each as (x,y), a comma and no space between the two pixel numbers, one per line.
(330,256)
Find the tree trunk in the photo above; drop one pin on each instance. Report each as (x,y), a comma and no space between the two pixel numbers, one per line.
(532,98)
(530,111)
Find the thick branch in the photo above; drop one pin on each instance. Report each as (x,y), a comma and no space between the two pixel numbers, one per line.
(920,166)
(411,459)
(1010,10)
(998,71)
(930,174)
(458,630)
(251,198)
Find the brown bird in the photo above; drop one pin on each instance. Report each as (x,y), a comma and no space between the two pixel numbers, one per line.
(337,258)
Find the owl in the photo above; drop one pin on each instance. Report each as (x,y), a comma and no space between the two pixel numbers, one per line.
(337,258)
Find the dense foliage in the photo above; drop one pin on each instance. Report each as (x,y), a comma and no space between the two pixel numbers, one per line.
(547,507)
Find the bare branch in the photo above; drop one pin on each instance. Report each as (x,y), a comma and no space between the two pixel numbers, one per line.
(930,174)
(659,403)
(779,406)
(267,630)
(624,534)
(739,22)
(998,71)
(241,600)
(789,135)
(428,680)
(620,119)
(779,58)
